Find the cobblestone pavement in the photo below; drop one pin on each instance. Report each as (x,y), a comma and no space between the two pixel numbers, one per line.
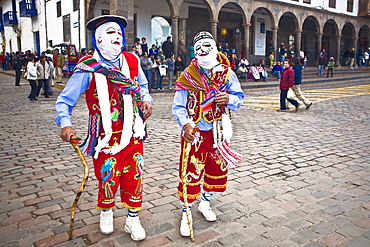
(304,180)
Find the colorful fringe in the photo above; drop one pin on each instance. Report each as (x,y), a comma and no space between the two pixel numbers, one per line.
(92,137)
(124,84)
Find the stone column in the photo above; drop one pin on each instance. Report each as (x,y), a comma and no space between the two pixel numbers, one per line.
(355,45)
(126,9)
(214,28)
(246,40)
(175,33)
(337,62)
(319,41)
(298,42)
(274,42)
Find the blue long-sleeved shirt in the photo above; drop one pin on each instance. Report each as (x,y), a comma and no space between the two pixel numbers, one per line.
(78,84)
(277,68)
(236,97)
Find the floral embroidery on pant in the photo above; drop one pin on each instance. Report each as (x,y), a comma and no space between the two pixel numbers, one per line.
(108,171)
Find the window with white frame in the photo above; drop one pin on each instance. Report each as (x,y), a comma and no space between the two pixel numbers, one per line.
(332,3)
(350,5)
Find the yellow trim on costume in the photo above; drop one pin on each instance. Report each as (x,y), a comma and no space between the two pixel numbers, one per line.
(215,177)
(191,196)
(219,186)
(114,132)
(201,96)
(191,184)
(99,208)
(128,207)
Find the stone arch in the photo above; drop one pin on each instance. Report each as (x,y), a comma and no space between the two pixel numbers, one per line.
(287,36)
(200,17)
(263,34)
(328,39)
(348,35)
(310,28)
(231,19)
(363,38)
(89,9)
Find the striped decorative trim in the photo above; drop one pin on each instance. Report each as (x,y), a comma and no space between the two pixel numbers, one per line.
(218,186)
(215,177)
(129,207)
(191,196)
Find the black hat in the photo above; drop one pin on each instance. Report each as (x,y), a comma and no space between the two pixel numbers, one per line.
(97,21)
(202,35)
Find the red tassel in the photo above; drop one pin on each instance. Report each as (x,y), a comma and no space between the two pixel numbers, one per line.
(230,156)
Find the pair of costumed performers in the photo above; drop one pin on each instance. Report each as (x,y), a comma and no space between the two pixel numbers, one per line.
(118,103)
(205,92)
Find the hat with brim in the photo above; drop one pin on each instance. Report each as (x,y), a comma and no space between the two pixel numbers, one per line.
(97,21)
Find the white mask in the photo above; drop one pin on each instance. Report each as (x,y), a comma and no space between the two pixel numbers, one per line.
(206,52)
(108,37)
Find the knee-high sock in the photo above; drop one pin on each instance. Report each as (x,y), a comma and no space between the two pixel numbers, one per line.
(133,213)
(206,196)
(183,208)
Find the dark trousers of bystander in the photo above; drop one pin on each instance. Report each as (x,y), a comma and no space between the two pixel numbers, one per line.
(43,84)
(33,94)
(330,70)
(18,74)
(147,76)
(284,97)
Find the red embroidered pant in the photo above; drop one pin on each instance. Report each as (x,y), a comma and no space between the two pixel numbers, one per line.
(204,162)
(124,170)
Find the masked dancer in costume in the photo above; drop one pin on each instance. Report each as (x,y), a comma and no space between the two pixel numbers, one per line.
(205,92)
(118,102)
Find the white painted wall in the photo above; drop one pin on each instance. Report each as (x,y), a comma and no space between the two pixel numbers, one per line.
(10,37)
(341,5)
(55,24)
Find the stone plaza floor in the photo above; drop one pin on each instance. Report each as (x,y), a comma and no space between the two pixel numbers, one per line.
(304,179)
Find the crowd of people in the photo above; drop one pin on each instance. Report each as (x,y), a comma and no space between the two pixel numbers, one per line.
(160,62)
(40,71)
(351,57)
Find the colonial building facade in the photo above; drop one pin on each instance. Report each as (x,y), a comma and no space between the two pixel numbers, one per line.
(253,28)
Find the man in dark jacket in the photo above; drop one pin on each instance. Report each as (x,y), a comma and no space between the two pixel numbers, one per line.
(167,47)
(297,67)
(17,66)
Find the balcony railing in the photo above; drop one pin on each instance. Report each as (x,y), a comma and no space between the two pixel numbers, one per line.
(364,8)
(27,8)
(10,18)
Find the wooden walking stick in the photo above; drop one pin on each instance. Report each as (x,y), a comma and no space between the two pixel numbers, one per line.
(184,165)
(74,142)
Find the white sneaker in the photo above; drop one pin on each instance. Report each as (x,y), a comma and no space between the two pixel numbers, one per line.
(106,222)
(184,226)
(133,226)
(206,210)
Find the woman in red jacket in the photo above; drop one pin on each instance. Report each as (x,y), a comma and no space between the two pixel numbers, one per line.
(286,82)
